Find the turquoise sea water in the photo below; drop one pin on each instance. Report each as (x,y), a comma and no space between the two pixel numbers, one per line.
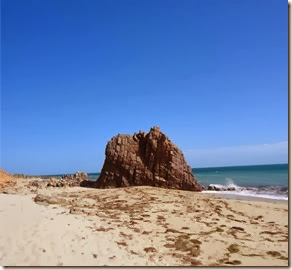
(266,181)
(246,176)
(269,181)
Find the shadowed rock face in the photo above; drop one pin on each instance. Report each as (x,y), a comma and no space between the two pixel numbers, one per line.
(145,159)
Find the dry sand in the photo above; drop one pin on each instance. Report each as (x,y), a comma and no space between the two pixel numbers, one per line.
(138,226)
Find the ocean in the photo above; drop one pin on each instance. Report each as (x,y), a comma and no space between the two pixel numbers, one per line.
(264,181)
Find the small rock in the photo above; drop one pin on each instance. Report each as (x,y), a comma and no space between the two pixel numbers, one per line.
(150,249)
(234,248)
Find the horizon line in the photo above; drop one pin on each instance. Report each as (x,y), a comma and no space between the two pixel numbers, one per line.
(196,168)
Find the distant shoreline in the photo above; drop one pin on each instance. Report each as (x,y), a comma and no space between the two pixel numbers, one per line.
(267,182)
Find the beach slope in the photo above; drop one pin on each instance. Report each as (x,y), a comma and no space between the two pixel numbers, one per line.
(139,226)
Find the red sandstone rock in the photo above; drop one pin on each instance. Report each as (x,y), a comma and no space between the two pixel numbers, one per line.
(6,179)
(145,159)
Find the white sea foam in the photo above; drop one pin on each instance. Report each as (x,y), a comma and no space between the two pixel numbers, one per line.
(232,189)
(248,194)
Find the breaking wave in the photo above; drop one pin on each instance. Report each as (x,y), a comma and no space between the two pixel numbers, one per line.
(269,192)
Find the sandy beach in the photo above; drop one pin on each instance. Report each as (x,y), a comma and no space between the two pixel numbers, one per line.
(138,226)
(145,133)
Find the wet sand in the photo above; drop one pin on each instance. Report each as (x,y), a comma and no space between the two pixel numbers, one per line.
(240,197)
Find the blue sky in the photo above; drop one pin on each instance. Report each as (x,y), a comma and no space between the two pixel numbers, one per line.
(212,74)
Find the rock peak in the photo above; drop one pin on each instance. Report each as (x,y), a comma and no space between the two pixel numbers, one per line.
(149,159)
(155,128)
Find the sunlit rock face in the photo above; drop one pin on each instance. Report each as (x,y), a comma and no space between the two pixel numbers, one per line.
(149,159)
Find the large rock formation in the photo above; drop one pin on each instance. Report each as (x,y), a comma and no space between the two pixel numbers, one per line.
(145,159)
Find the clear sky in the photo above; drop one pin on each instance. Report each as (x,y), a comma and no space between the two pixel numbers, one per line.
(212,74)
